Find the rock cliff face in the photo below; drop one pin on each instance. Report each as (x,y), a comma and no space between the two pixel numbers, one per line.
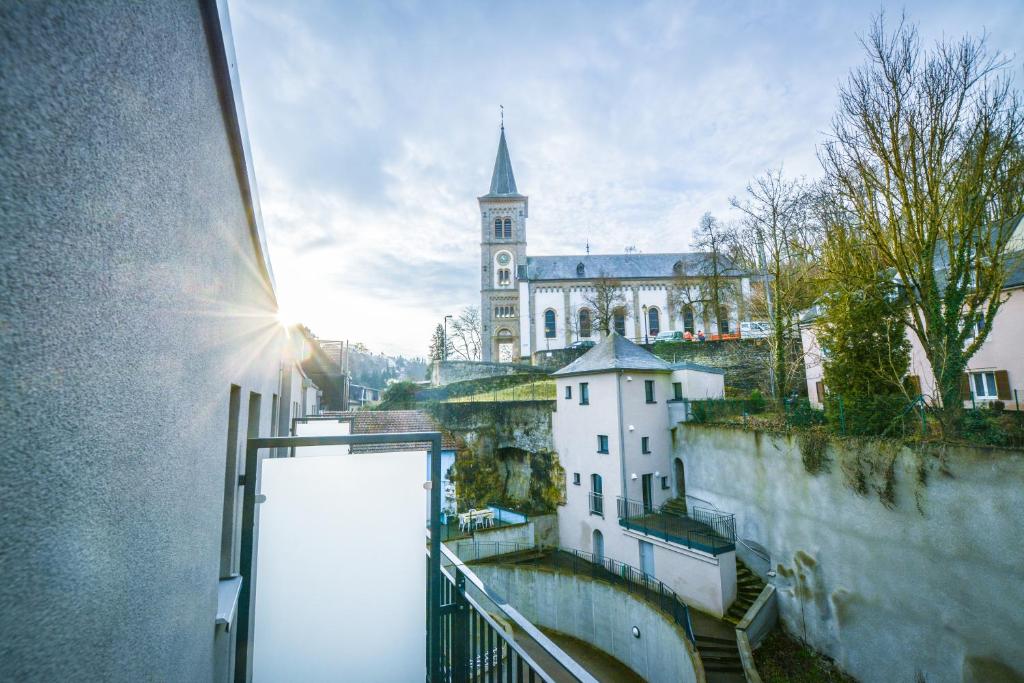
(504,453)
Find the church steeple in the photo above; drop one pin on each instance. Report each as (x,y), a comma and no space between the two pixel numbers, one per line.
(503,182)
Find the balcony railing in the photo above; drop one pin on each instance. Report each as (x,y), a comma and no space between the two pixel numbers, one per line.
(700,528)
(596,503)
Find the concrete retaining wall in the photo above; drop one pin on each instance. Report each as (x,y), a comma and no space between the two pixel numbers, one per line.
(911,577)
(449,371)
(601,615)
(756,624)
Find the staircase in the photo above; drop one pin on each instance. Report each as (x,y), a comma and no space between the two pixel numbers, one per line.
(748,586)
(721,660)
(676,506)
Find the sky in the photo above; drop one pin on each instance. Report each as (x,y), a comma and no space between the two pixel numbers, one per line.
(374,127)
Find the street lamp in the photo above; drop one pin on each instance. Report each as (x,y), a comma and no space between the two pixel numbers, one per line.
(644,309)
(444,350)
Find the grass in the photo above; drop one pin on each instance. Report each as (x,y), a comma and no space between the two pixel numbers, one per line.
(781,659)
(542,390)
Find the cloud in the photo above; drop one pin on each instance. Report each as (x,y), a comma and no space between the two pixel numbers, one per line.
(374,128)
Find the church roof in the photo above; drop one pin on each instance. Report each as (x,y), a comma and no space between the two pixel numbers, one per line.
(624,266)
(503,182)
(615,353)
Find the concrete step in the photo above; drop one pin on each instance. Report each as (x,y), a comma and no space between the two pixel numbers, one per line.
(711,639)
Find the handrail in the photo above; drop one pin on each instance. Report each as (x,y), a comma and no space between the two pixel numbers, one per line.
(767,558)
(698,528)
(556,653)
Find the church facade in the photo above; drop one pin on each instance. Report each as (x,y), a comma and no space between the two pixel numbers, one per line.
(536,303)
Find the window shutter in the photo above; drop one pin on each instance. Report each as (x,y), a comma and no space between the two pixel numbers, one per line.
(965,387)
(1003,385)
(820,389)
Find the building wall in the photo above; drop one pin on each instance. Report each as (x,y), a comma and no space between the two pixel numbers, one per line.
(132,301)
(1001,351)
(914,589)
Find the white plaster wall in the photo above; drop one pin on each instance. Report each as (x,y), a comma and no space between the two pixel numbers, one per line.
(699,385)
(577,300)
(544,299)
(813,368)
(522,308)
(929,586)
(655,296)
(647,419)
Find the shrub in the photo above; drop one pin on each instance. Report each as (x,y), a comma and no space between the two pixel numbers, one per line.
(756,402)
(871,415)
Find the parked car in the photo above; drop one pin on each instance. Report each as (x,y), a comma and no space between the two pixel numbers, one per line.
(582,344)
(669,335)
(755,329)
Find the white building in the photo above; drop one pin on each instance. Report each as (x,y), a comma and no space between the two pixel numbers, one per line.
(535,303)
(612,428)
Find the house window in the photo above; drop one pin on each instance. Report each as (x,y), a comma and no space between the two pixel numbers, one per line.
(664,484)
(653,322)
(645,444)
(497,228)
(688,325)
(549,324)
(568,391)
(602,443)
(677,391)
(584,394)
(508,229)
(576,478)
(984,385)
(596,495)
(586,329)
(649,390)
(619,322)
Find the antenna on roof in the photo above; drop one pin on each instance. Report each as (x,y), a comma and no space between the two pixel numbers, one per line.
(588,246)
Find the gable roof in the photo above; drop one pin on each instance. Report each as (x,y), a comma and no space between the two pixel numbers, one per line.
(623,266)
(614,353)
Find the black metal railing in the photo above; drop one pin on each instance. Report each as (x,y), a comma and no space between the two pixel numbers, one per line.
(477,647)
(596,503)
(699,528)
(598,567)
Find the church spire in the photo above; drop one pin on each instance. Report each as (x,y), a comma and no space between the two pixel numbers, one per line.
(503,183)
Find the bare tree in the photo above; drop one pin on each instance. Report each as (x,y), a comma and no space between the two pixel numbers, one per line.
(712,284)
(777,242)
(464,335)
(926,157)
(605,300)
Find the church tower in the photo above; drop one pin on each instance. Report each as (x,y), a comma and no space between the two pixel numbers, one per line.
(503,213)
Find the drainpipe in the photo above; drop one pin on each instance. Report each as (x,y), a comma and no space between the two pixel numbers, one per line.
(622,436)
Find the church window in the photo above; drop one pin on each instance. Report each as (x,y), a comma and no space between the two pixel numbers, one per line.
(723,320)
(508,229)
(653,321)
(688,320)
(549,324)
(619,321)
(497,228)
(581,270)
(504,277)
(586,328)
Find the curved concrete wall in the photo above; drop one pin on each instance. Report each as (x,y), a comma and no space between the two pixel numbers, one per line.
(599,614)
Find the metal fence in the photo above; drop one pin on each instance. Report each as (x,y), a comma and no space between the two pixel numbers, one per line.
(699,528)
(598,567)
(596,503)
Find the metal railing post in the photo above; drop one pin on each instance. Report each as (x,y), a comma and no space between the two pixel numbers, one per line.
(460,630)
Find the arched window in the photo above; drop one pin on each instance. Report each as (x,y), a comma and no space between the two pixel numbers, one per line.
(723,320)
(653,321)
(508,229)
(581,270)
(497,228)
(619,321)
(688,320)
(549,324)
(504,277)
(586,328)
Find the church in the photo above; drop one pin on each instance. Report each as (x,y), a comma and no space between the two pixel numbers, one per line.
(537,303)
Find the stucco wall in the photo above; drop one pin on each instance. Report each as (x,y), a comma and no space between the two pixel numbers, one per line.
(924,586)
(447,372)
(599,614)
(132,300)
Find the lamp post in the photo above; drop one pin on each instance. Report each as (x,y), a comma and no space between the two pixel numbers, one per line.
(644,309)
(444,351)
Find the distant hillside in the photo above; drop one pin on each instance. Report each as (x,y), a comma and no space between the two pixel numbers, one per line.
(376,369)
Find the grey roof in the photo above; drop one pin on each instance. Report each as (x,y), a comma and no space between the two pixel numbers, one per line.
(687,365)
(503,182)
(658,266)
(615,353)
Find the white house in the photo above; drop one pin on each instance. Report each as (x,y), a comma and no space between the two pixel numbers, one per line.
(616,406)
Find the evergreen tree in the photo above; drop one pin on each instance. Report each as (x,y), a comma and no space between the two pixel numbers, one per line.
(437,344)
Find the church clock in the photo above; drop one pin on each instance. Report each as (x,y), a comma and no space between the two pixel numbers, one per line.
(504,258)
